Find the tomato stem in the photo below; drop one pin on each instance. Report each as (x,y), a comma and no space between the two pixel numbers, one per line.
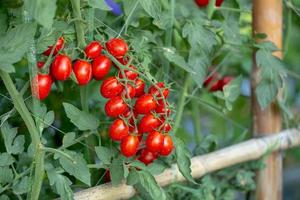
(196,121)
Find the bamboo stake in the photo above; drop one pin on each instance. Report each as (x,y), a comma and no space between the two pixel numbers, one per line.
(200,165)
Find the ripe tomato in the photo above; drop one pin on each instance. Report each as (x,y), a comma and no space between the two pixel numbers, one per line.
(101,66)
(203,3)
(128,91)
(115,107)
(129,74)
(167,146)
(107,176)
(154,91)
(149,123)
(129,145)
(111,87)
(117,47)
(93,49)
(118,130)
(161,109)
(166,128)
(61,67)
(219,3)
(147,156)
(83,71)
(217,85)
(40,64)
(144,104)
(139,87)
(154,141)
(41,86)
(59,45)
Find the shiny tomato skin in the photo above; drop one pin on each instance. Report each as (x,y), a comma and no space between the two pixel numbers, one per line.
(144,104)
(117,47)
(41,86)
(40,64)
(167,146)
(166,128)
(61,67)
(139,87)
(128,91)
(115,107)
(147,156)
(59,45)
(161,109)
(149,123)
(129,74)
(129,145)
(154,91)
(154,141)
(118,130)
(101,66)
(93,49)
(111,87)
(82,71)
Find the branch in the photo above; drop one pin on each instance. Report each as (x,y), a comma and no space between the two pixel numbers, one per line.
(246,151)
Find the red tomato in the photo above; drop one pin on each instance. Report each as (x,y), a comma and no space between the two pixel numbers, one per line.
(166,128)
(107,176)
(219,3)
(144,104)
(203,3)
(123,60)
(139,87)
(117,47)
(83,72)
(129,145)
(111,88)
(128,92)
(41,86)
(115,107)
(153,90)
(59,45)
(147,156)
(167,146)
(161,109)
(217,85)
(149,123)
(118,130)
(154,141)
(101,66)
(40,64)
(131,75)
(93,49)
(61,67)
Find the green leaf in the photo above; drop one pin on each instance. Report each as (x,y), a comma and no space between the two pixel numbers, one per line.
(266,93)
(22,186)
(100,4)
(78,168)
(81,119)
(153,8)
(104,154)
(6,175)
(69,139)
(48,119)
(117,171)
(4,197)
(13,144)
(6,159)
(3,20)
(177,60)
(46,39)
(183,159)
(42,11)
(156,168)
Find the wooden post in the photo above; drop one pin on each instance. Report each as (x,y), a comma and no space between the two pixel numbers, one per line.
(267,18)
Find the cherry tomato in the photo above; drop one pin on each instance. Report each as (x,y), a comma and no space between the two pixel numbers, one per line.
(128,91)
(139,87)
(147,156)
(129,74)
(217,85)
(115,107)
(111,88)
(61,67)
(166,128)
(40,64)
(149,123)
(154,141)
(117,47)
(226,81)
(118,130)
(59,45)
(153,90)
(93,49)
(101,66)
(219,3)
(167,146)
(41,86)
(107,176)
(83,72)
(144,104)
(203,3)
(161,109)
(129,145)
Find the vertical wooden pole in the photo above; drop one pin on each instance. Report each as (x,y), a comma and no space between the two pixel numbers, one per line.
(267,18)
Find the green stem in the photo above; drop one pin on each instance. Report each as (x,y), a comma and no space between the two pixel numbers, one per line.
(232,9)
(288,31)
(196,121)
(83,98)
(78,23)
(56,151)
(20,106)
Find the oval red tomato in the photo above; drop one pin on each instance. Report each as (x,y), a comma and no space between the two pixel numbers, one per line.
(129,145)
(117,47)
(154,141)
(144,104)
(129,74)
(82,71)
(161,108)
(154,91)
(93,49)
(128,91)
(147,156)
(139,87)
(149,123)
(115,107)
(41,86)
(61,67)
(111,87)
(118,130)
(166,128)
(59,45)
(101,66)
(40,64)
(167,146)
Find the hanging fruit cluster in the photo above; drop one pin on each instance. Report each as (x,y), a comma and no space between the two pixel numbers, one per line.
(136,112)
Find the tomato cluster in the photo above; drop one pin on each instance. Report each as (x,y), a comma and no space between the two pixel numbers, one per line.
(204,3)
(214,83)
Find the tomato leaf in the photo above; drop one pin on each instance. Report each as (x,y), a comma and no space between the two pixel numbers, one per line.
(100,4)
(21,187)
(177,60)
(153,8)
(69,139)
(6,159)
(104,154)
(13,144)
(6,175)
(156,168)
(117,170)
